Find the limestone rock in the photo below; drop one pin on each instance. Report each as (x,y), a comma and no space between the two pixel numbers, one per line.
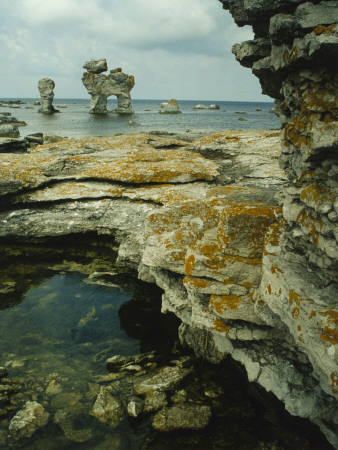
(96,66)
(182,417)
(200,106)
(10,131)
(166,379)
(100,87)
(299,283)
(170,107)
(107,408)
(46,88)
(28,420)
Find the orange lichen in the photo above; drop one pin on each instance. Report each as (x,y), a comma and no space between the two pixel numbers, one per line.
(195,282)
(189,264)
(329,335)
(312,314)
(317,193)
(275,269)
(294,297)
(221,326)
(269,289)
(223,302)
(308,220)
(295,312)
(322,29)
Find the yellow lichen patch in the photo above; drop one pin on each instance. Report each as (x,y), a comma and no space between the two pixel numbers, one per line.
(295,312)
(223,302)
(189,264)
(329,335)
(276,270)
(334,382)
(316,194)
(331,316)
(195,282)
(309,222)
(295,297)
(272,236)
(322,29)
(221,326)
(312,314)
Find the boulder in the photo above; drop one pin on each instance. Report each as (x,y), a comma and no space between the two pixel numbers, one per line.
(107,408)
(96,66)
(28,420)
(170,107)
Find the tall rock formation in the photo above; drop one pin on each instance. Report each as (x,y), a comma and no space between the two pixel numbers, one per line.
(46,88)
(100,87)
(295,56)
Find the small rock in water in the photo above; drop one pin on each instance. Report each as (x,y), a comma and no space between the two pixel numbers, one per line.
(182,417)
(135,407)
(107,408)
(28,420)
(53,388)
(155,401)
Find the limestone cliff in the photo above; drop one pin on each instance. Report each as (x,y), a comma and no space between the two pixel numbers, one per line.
(294,55)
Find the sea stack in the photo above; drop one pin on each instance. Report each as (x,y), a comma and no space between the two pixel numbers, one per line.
(170,107)
(100,87)
(46,88)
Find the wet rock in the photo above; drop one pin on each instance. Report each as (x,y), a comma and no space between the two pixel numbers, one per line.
(35,138)
(53,388)
(28,420)
(182,417)
(10,131)
(107,408)
(3,372)
(132,363)
(154,401)
(179,396)
(167,378)
(135,407)
(68,421)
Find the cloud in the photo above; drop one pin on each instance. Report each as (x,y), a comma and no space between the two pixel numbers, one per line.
(186,38)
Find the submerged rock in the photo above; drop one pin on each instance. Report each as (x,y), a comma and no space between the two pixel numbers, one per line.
(28,420)
(182,417)
(165,379)
(107,408)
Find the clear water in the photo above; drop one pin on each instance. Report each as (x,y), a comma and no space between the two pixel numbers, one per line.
(57,327)
(75,120)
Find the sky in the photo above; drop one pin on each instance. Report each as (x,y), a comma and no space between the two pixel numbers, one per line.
(179,49)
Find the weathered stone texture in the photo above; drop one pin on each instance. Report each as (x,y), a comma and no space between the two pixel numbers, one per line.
(300,263)
(100,87)
(46,89)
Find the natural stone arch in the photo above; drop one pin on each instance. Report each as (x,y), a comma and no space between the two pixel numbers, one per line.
(100,87)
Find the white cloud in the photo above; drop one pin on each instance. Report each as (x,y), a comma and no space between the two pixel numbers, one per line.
(163,45)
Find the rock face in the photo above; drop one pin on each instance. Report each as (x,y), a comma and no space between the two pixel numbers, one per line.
(200,219)
(294,55)
(100,87)
(170,107)
(46,88)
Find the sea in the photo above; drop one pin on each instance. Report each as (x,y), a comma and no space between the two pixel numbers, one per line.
(74,119)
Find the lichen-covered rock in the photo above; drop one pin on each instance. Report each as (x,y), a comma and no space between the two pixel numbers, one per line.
(28,420)
(100,87)
(294,55)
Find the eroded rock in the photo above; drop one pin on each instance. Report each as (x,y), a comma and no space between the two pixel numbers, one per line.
(182,417)
(100,87)
(46,88)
